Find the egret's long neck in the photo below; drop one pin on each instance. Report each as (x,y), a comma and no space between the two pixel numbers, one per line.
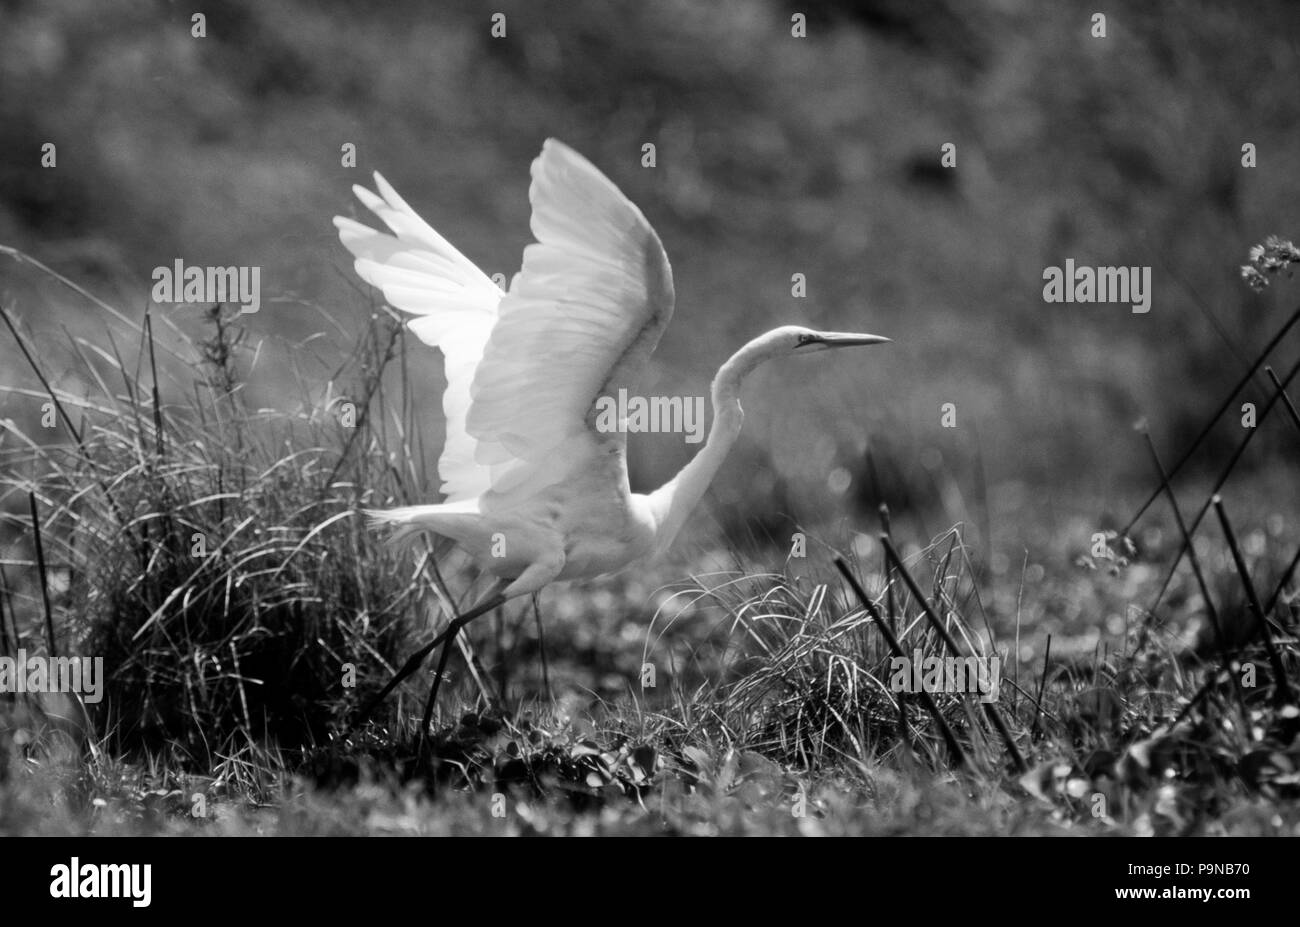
(673,502)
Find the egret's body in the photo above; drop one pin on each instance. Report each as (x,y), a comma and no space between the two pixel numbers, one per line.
(562,533)
(535,491)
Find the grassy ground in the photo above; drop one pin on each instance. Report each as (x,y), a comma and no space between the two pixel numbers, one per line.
(212,552)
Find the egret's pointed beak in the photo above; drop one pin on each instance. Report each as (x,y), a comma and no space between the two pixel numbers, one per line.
(848,339)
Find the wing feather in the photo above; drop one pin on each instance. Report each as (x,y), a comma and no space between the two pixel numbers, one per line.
(420,272)
(579,320)
(526,368)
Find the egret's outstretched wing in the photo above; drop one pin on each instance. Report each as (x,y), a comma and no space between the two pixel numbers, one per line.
(420,272)
(578,322)
(524,370)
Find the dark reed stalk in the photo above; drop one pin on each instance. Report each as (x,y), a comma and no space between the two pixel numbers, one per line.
(989,708)
(1282,688)
(1217,626)
(40,569)
(891,607)
(1290,406)
(1218,485)
(159,440)
(16,641)
(1213,420)
(1042,686)
(950,739)
(887,528)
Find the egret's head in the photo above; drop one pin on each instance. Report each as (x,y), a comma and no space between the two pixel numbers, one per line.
(780,342)
(807,341)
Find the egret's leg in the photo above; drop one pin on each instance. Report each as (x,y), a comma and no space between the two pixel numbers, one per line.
(410,666)
(541,645)
(495,598)
(452,630)
(476,670)
(540,572)
(502,669)
(450,634)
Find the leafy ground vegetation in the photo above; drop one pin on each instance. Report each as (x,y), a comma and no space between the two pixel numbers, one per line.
(213,553)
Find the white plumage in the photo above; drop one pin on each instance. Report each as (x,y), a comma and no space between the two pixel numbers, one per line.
(534,491)
(523,367)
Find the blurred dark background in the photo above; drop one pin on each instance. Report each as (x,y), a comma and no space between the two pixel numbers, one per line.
(776,155)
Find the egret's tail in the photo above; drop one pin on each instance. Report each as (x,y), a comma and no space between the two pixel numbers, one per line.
(459,521)
(408,521)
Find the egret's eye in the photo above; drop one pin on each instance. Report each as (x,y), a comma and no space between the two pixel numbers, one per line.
(806,339)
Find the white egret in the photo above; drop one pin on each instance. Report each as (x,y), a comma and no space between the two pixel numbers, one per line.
(535,491)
